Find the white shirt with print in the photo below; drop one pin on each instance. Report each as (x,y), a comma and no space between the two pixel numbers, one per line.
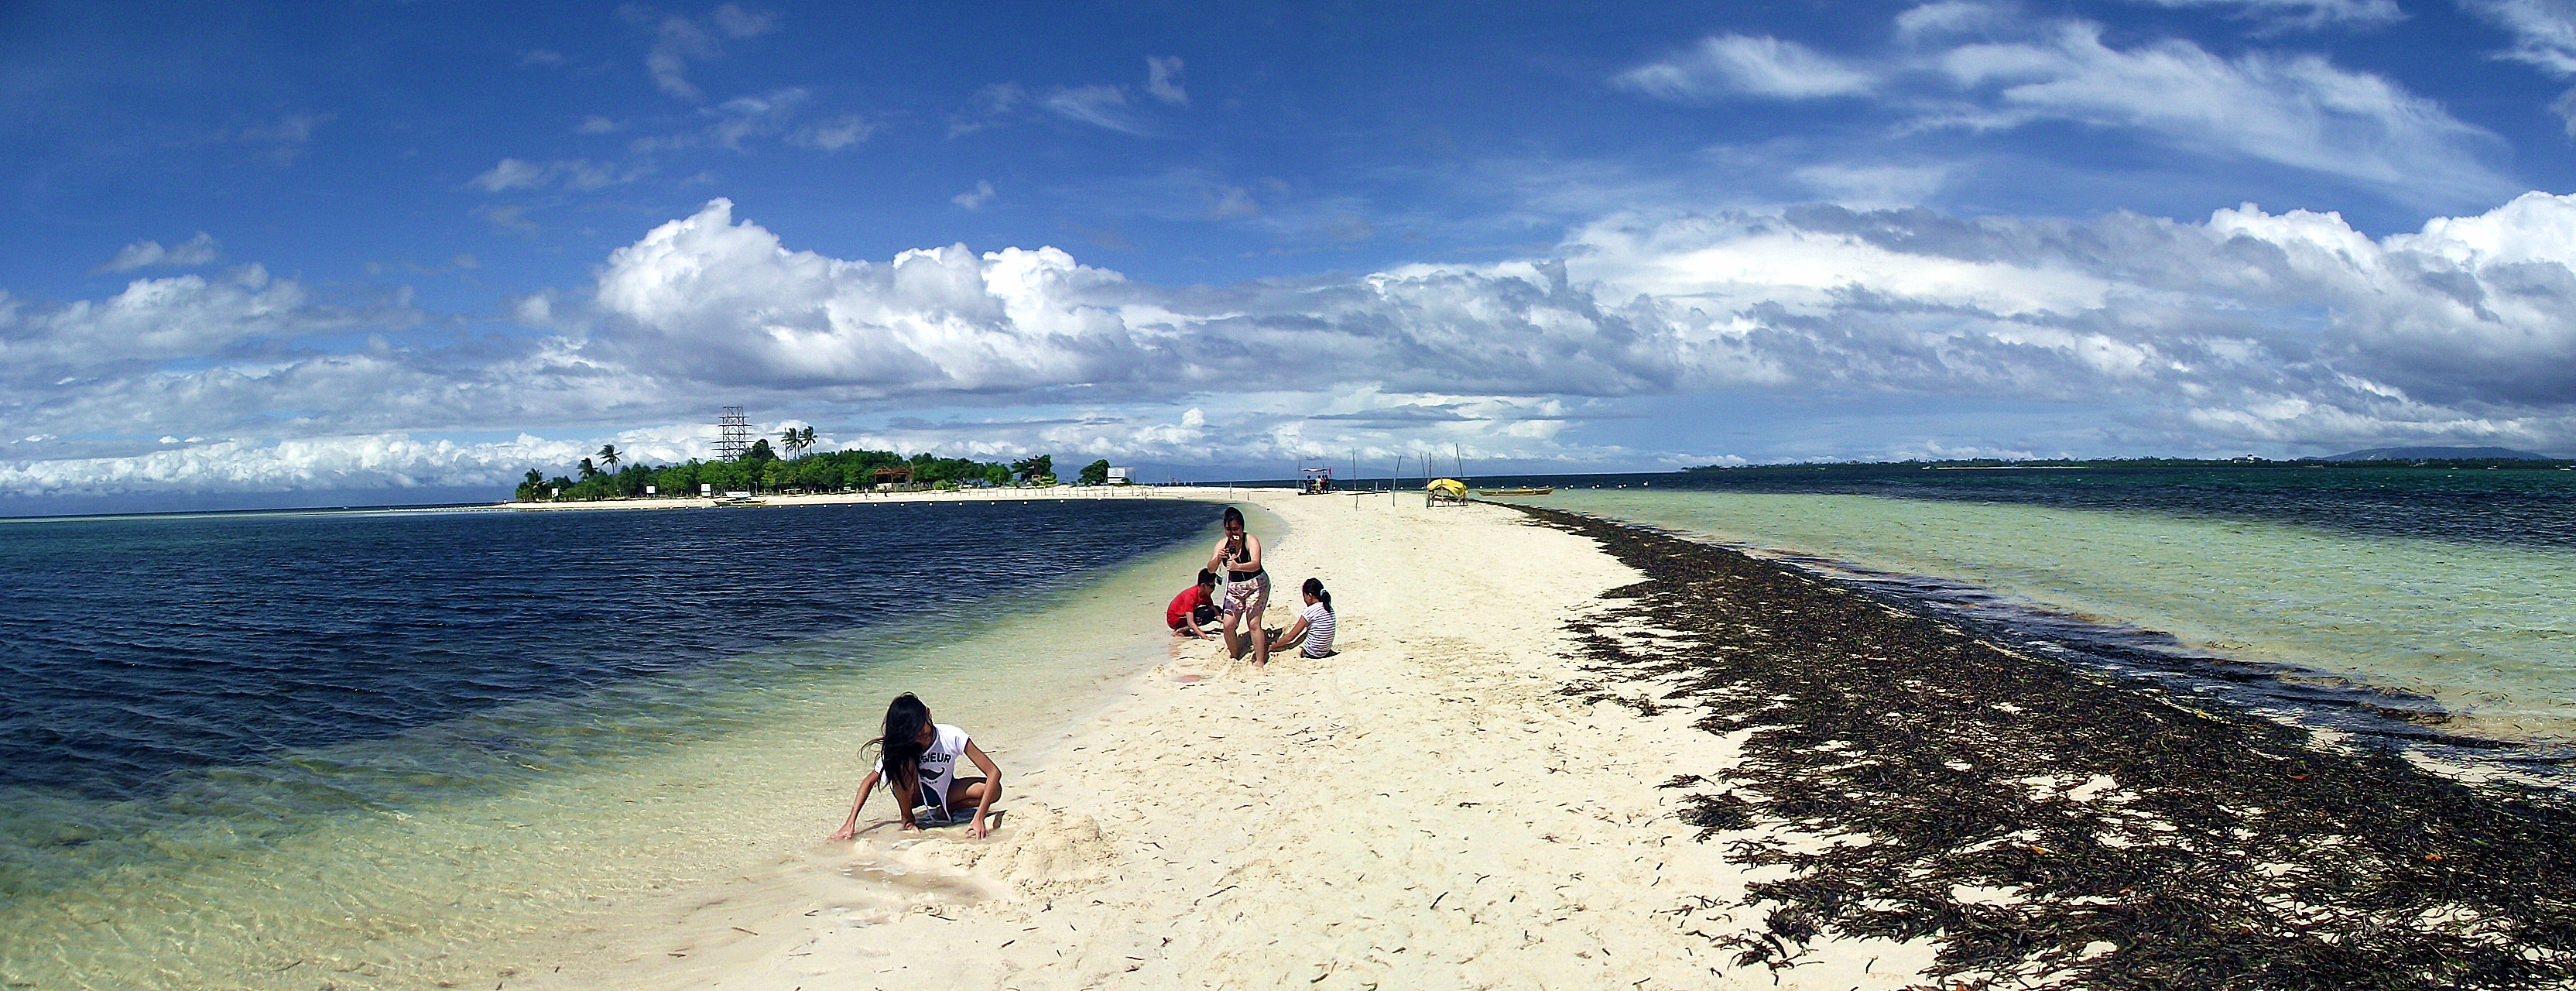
(938,764)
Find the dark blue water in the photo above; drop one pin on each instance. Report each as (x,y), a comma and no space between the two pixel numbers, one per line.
(2511,507)
(133,651)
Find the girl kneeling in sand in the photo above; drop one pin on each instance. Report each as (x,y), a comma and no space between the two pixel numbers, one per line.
(917,759)
(1312,633)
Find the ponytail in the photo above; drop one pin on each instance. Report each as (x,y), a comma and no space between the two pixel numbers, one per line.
(1315,587)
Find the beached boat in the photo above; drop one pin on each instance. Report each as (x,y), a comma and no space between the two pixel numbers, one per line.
(1516,492)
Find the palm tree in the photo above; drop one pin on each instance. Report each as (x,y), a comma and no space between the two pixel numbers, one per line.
(608,455)
(787,439)
(805,439)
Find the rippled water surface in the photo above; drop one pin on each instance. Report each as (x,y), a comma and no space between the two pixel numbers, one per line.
(361,749)
(2458,590)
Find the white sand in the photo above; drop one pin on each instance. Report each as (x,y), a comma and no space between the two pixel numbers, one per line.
(1424,810)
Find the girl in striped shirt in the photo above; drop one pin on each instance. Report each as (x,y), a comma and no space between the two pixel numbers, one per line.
(1312,633)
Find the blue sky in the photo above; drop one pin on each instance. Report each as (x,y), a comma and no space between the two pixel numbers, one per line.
(278,252)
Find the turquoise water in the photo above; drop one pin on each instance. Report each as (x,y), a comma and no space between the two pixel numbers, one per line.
(2484,629)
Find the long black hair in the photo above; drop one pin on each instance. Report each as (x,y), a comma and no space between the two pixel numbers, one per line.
(1315,587)
(900,748)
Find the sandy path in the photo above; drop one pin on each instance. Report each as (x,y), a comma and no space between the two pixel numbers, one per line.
(1423,810)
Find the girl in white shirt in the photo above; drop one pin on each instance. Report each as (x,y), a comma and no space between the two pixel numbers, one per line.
(917,760)
(1312,633)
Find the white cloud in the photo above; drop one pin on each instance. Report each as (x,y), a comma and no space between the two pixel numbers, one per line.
(835,134)
(2544,31)
(1868,186)
(2284,332)
(678,40)
(2468,311)
(992,105)
(180,317)
(1738,65)
(512,218)
(1099,106)
(2298,110)
(286,137)
(2304,15)
(1163,80)
(338,463)
(582,174)
(735,123)
(974,199)
(1230,203)
(2544,36)
(594,124)
(1967,66)
(199,250)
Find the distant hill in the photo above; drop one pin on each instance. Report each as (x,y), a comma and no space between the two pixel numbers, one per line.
(2439,454)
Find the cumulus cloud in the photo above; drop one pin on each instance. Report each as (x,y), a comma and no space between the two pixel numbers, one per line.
(152,320)
(199,250)
(1963,65)
(2456,330)
(974,199)
(2249,329)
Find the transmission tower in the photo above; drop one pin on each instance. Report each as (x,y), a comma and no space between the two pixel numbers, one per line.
(733,434)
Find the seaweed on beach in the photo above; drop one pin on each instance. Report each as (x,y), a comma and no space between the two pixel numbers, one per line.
(2047,827)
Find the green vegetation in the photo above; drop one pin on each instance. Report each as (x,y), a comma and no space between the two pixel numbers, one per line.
(762,470)
(1095,473)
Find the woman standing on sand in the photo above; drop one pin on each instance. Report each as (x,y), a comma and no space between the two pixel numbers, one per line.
(1247,588)
(917,759)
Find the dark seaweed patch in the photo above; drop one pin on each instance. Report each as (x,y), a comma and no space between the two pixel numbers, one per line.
(2049,827)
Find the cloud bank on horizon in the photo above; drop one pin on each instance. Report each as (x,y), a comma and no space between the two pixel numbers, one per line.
(1963,230)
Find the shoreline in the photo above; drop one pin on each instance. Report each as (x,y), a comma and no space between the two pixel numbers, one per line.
(2054,827)
(1428,807)
(1593,756)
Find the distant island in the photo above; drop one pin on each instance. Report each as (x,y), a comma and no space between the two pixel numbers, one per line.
(2373,459)
(609,475)
(2438,454)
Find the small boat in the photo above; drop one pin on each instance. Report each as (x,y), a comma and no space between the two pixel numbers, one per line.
(1516,492)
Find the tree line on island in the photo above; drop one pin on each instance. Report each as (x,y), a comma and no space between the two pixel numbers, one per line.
(609,475)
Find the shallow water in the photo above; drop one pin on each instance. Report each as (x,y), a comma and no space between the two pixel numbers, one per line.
(457,844)
(2481,629)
